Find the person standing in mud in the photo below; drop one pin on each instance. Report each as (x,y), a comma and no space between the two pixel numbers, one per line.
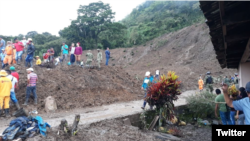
(30,54)
(31,87)
(99,58)
(200,83)
(5,88)
(89,58)
(107,53)
(51,53)
(72,53)
(78,54)
(209,82)
(65,52)
(144,87)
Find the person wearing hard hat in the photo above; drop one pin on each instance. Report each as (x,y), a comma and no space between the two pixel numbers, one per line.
(38,61)
(14,86)
(99,58)
(5,88)
(31,87)
(30,53)
(144,87)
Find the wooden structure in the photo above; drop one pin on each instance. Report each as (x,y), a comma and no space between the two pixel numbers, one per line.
(229,24)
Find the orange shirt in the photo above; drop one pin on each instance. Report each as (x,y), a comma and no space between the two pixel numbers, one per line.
(9,50)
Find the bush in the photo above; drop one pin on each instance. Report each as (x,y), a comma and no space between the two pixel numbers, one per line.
(201,104)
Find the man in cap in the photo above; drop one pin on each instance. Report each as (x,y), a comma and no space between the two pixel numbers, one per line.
(107,53)
(239,105)
(5,87)
(89,58)
(14,73)
(19,50)
(65,52)
(99,58)
(144,87)
(12,91)
(31,87)
(30,53)
(209,82)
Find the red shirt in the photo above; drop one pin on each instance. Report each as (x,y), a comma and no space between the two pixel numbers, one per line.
(16,75)
(19,47)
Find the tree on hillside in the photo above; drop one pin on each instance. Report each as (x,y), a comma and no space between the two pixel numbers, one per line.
(31,34)
(92,20)
(46,34)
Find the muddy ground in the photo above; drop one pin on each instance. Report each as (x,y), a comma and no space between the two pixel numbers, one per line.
(114,130)
(75,87)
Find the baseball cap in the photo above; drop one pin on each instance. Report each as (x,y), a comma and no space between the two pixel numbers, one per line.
(30,69)
(248,87)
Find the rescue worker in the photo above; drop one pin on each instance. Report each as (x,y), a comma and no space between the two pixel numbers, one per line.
(9,54)
(31,86)
(236,79)
(157,74)
(89,58)
(227,81)
(5,87)
(14,82)
(144,87)
(99,58)
(200,83)
(209,82)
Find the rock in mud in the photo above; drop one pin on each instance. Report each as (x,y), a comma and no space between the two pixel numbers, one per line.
(50,104)
(127,121)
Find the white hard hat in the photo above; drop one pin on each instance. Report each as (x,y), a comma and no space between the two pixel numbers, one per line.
(157,72)
(30,69)
(147,73)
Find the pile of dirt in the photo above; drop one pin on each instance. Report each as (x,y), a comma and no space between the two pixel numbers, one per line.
(76,87)
(189,52)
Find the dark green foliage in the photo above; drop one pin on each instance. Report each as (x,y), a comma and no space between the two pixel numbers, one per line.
(202,104)
(154,18)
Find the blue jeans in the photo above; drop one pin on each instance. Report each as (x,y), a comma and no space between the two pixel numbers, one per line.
(13,97)
(225,118)
(19,55)
(232,118)
(29,90)
(29,59)
(241,119)
(107,61)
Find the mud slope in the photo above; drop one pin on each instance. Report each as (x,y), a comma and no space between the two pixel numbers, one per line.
(75,87)
(189,52)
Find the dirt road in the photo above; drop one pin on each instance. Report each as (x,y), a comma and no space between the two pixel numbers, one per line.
(96,114)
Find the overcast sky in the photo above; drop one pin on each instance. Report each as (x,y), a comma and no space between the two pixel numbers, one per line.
(21,16)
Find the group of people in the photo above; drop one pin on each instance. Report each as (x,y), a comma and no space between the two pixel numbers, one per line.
(9,84)
(209,81)
(74,53)
(11,53)
(149,78)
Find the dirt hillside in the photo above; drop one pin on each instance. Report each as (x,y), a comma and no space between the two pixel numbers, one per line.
(189,52)
(75,87)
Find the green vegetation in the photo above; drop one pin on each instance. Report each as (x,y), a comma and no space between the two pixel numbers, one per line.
(95,26)
(201,105)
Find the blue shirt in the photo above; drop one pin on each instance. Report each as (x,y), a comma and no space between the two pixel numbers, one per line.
(243,105)
(65,51)
(3,46)
(2,55)
(107,53)
(146,81)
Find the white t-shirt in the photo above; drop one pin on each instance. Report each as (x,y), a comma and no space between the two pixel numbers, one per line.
(14,81)
(72,50)
(57,59)
(24,42)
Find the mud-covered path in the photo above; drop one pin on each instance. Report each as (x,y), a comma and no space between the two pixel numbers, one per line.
(96,114)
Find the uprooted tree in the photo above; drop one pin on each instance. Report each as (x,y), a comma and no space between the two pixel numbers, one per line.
(162,94)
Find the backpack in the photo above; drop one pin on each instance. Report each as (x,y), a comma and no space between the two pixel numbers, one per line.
(209,80)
